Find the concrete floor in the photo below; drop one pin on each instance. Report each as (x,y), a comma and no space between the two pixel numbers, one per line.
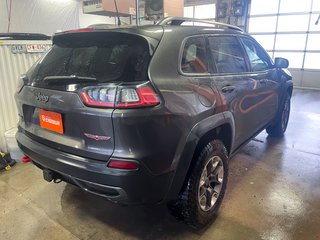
(273,193)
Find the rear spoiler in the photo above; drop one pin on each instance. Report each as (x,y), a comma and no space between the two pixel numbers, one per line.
(149,33)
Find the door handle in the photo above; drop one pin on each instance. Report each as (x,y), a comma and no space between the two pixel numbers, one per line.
(228,88)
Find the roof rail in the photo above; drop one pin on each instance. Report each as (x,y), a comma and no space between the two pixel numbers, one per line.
(177,21)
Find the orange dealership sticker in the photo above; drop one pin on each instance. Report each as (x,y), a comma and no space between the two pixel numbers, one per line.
(51,121)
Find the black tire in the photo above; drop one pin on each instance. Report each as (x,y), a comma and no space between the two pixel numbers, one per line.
(278,128)
(193,206)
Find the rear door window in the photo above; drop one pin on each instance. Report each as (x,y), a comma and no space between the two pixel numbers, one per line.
(101,57)
(227,54)
(194,57)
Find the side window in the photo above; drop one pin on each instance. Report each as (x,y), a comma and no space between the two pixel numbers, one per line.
(227,54)
(259,60)
(194,58)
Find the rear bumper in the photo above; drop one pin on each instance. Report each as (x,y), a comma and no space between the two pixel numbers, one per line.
(122,186)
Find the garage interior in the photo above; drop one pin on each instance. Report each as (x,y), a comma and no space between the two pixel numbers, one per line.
(273,190)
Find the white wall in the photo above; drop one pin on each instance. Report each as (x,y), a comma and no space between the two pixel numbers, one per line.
(3,16)
(46,16)
(41,16)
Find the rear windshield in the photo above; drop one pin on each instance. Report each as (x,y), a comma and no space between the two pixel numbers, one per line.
(101,57)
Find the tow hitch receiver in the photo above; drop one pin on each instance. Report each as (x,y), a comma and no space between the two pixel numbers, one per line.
(48,175)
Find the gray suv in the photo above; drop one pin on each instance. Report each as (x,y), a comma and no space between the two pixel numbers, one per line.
(151,114)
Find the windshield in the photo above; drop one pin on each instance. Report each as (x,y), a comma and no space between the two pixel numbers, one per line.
(102,57)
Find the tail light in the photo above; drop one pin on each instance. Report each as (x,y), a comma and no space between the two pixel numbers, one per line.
(99,96)
(137,97)
(120,97)
(22,82)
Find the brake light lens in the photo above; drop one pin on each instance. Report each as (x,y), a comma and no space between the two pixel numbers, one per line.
(99,96)
(79,30)
(125,165)
(120,97)
(137,97)
(21,83)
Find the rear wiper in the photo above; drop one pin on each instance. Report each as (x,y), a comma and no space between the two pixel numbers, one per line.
(68,79)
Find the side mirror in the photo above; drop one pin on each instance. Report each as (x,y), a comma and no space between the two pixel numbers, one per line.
(281,63)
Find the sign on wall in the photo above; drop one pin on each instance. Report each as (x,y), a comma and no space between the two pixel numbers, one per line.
(30,48)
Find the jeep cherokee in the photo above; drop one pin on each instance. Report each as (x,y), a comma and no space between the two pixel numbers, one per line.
(151,114)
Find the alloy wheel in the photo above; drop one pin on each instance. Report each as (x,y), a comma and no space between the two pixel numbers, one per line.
(210,183)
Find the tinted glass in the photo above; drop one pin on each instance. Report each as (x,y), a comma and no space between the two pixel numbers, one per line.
(259,60)
(194,59)
(227,54)
(94,57)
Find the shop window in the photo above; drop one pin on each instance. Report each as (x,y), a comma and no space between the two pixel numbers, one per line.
(263,24)
(205,11)
(266,41)
(290,42)
(289,6)
(293,23)
(313,42)
(295,58)
(312,61)
(264,6)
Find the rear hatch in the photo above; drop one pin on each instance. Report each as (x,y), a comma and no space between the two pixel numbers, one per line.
(69,95)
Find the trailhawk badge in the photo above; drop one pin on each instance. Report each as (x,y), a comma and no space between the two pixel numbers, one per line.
(97,138)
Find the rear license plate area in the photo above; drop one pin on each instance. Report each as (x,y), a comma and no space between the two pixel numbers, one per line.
(51,121)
